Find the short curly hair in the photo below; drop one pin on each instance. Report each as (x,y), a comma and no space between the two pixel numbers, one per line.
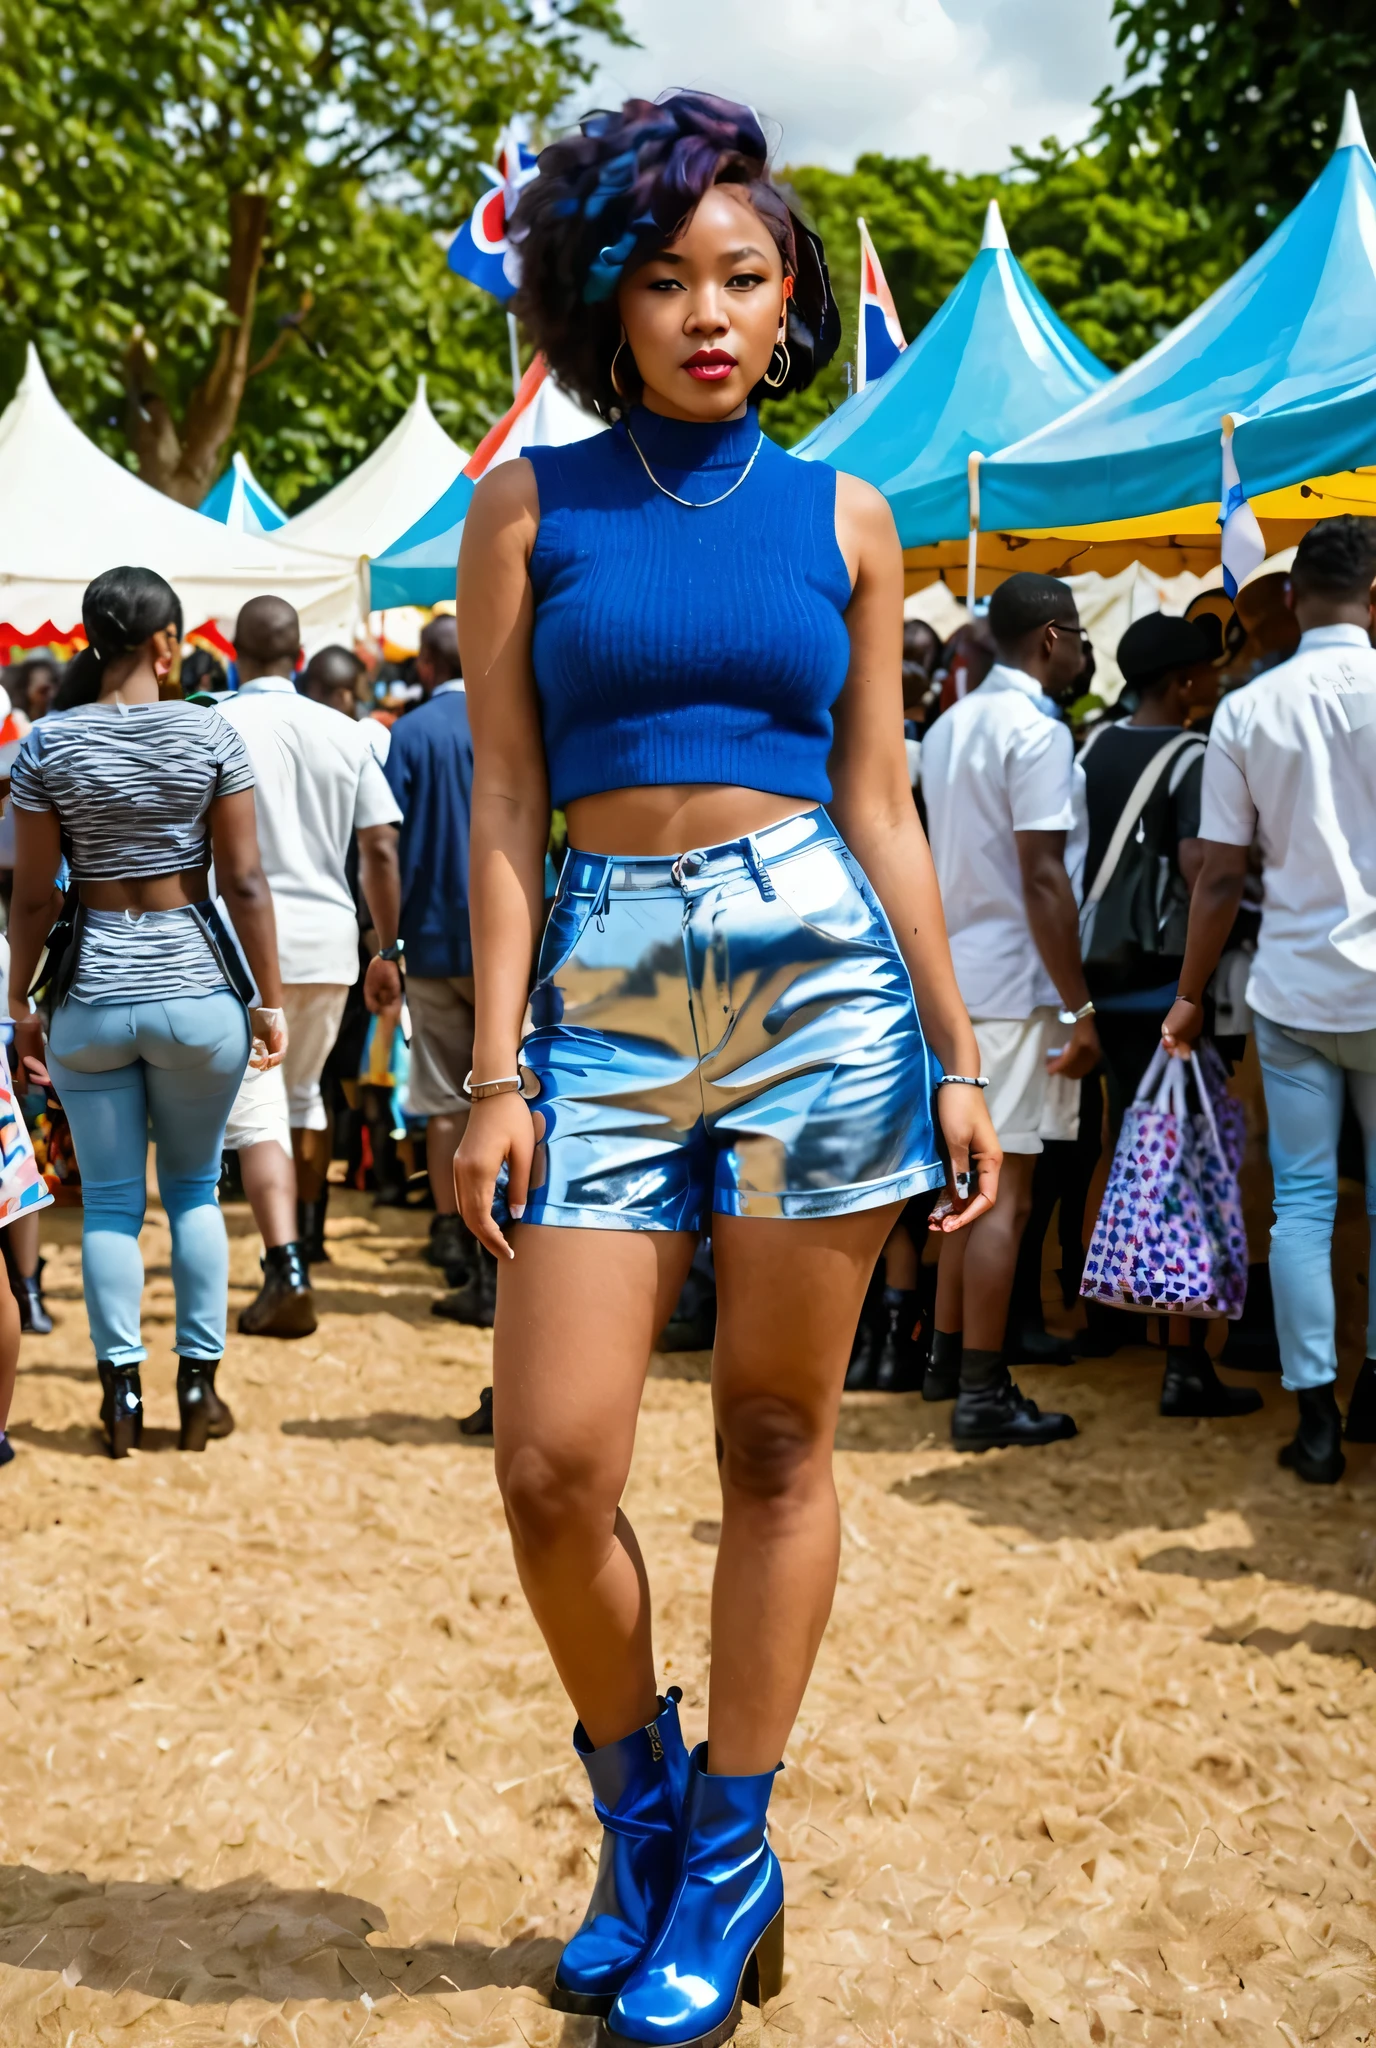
(612,194)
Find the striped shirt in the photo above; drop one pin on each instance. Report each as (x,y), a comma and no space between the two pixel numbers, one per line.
(132,787)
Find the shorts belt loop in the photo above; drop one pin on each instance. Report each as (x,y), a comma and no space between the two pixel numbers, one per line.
(754,861)
(604,894)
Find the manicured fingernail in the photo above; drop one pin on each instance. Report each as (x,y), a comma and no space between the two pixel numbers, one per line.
(518,1210)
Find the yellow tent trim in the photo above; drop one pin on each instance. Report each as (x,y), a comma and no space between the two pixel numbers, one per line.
(1167,542)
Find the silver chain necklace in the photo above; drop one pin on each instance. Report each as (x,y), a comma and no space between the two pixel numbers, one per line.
(694,504)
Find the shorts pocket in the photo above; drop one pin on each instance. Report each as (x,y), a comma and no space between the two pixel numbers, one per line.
(826,890)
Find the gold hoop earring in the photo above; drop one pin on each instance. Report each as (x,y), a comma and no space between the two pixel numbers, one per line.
(777,383)
(612,376)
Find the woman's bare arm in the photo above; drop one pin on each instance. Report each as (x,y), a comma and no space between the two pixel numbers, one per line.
(510,826)
(36,900)
(872,804)
(241,882)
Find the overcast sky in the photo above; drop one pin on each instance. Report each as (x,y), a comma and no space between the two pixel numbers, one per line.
(960,81)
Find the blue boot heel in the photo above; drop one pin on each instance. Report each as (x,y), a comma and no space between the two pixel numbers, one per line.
(638,1787)
(723,1936)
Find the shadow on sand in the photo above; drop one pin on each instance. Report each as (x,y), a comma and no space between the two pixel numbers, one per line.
(249,1939)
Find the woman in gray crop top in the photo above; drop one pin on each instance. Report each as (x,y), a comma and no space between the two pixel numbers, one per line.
(146,1028)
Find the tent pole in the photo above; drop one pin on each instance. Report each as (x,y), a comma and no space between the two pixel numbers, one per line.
(514,338)
(972,559)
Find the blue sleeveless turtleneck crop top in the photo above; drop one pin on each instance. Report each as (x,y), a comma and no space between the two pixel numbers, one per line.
(686,646)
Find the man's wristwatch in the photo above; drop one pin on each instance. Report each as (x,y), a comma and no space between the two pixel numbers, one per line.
(397,952)
(1075,1016)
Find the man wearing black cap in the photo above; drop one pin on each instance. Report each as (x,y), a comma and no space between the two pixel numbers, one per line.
(1143,777)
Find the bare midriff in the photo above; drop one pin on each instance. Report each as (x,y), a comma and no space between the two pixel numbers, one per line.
(148,892)
(672,818)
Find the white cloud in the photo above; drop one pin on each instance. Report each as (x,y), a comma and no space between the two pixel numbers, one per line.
(961,83)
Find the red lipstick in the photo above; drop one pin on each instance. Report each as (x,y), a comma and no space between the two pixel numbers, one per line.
(710,365)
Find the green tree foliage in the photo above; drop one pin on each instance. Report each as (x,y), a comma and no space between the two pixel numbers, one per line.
(1237,102)
(1113,253)
(219,218)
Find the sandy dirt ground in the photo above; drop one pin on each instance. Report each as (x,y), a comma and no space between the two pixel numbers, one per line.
(1088,1756)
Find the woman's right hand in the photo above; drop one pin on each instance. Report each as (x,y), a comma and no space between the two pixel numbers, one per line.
(268,1029)
(500,1128)
(30,1053)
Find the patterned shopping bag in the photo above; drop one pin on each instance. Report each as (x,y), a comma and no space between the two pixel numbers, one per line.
(1169,1238)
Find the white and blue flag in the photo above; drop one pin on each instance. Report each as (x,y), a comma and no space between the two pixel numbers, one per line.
(1244,547)
(880,342)
(480,251)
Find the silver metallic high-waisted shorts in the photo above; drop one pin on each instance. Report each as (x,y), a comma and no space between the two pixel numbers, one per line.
(733,1031)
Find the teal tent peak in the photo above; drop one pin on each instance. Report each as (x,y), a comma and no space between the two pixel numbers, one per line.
(239,501)
(995,233)
(993,360)
(1284,346)
(1352,135)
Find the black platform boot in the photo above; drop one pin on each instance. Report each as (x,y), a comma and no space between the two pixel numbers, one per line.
(901,1359)
(475,1303)
(1192,1387)
(1361,1409)
(479,1423)
(203,1413)
(310,1229)
(1315,1452)
(28,1293)
(451,1248)
(284,1305)
(941,1381)
(869,1335)
(991,1413)
(121,1410)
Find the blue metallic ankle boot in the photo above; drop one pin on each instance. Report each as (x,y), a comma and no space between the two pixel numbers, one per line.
(638,1787)
(723,1936)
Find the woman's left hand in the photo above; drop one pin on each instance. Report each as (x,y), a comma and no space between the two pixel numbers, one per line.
(30,1053)
(974,1150)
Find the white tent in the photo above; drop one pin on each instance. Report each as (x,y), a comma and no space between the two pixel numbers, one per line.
(388,491)
(67,512)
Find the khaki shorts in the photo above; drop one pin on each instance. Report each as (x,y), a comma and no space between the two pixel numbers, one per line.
(441,1043)
(288,1098)
(1026,1104)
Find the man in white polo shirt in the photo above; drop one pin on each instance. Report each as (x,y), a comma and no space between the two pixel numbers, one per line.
(1291,763)
(318,785)
(1006,819)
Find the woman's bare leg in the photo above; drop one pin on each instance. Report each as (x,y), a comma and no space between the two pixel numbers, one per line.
(577,1314)
(9,1348)
(788,1294)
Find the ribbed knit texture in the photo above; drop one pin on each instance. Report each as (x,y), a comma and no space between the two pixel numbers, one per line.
(687,646)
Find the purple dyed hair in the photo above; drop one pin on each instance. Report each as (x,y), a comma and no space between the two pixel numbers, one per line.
(612,194)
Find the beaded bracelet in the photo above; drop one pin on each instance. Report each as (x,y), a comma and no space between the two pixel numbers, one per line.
(963,1080)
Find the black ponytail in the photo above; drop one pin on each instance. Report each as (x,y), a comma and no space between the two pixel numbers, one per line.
(120,610)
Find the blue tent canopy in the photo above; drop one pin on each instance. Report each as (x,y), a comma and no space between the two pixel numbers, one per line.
(239,500)
(419,567)
(1287,346)
(993,364)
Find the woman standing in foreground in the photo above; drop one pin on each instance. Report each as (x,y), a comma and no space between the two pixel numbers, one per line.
(690,641)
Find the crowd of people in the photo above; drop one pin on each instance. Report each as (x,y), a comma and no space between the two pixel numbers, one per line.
(1068,862)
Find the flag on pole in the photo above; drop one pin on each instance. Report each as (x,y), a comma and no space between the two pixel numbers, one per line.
(480,250)
(1243,546)
(880,341)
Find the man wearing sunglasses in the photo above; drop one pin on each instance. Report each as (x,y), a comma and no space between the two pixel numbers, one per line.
(1006,817)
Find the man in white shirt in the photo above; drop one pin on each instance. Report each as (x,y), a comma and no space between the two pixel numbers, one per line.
(1006,819)
(318,784)
(1291,763)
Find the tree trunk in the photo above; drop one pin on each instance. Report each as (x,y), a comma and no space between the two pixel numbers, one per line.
(185,463)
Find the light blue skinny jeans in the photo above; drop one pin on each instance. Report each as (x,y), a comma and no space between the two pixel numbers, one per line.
(1304,1109)
(119,1069)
